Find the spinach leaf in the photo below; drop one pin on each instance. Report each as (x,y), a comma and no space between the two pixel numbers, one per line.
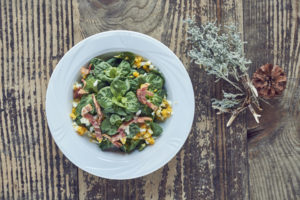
(77,120)
(119,111)
(132,103)
(133,130)
(108,128)
(100,67)
(156,128)
(119,88)
(130,145)
(156,81)
(90,80)
(104,97)
(137,82)
(115,120)
(142,146)
(128,56)
(115,109)
(128,117)
(145,110)
(104,78)
(119,101)
(106,144)
(111,72)
(114,61)
(96,61)
(162,93)
(141,71)
(124,68)
(156,99)
(155,71)
(85,100)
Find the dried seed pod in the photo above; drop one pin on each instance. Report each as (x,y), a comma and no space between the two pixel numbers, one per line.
(269,81)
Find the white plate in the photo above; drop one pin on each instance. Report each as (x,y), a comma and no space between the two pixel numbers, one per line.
(88,156)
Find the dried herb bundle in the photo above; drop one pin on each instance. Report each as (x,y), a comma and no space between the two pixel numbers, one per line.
(220,52)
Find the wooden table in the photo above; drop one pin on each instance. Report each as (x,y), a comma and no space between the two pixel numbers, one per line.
(244,161)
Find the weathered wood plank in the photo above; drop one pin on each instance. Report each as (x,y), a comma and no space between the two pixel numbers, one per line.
(232,152)
(33,37)
(272,31)
(213,163)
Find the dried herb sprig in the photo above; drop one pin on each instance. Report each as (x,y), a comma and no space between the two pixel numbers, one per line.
(220,52)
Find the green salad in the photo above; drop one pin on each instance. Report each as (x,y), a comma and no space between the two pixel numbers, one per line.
(120,102)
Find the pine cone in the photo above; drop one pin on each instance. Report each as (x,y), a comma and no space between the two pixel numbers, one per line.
(269,81)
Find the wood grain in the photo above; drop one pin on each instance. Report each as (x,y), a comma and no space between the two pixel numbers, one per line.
(274,146)
(34,35)
(213,163)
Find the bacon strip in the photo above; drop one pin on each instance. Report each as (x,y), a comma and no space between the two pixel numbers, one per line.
(117,137)
(84,71)
(90,67)
(85,113)
(114,139)
(139,120)
(78,92)
(95,124)
(98,109)
(141,94)
(82,92)
(106,136)
(117,144)
(86,109)
(151,105)
(76,95)
(142,120)
(84,83)
(100,116)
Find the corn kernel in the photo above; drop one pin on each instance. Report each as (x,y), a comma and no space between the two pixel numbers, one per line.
(146,68)
(81,130)
(147,135)
(164,112)
(136,74)
(123,140)
(165,102)
(150,140)
(99,140)
(135,138)
(73,116)
(160,118)
(137,61)
(144,85)
(144,126)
